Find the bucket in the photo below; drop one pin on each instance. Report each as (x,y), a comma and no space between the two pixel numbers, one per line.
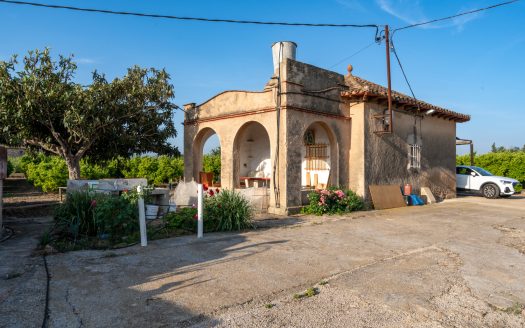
(152,211)
(407,190)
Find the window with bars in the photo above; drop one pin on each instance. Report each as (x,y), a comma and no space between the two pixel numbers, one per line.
(414,157)
(317,157)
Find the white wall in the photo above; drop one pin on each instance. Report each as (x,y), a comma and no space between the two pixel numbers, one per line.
(254,152)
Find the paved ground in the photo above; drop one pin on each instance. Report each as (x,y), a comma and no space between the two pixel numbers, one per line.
(456,264)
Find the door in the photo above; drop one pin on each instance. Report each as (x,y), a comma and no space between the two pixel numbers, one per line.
(463,176)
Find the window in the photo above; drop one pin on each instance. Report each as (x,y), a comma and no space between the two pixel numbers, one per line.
(414,157)
(316,157)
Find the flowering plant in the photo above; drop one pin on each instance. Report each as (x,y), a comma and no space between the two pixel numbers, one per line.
(333,201)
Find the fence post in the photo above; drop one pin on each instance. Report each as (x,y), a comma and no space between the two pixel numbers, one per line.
(200,226)
(142,217)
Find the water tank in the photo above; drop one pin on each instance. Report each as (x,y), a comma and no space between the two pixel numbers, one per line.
(282,50)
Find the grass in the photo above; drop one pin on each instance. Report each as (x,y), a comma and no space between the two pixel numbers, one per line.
(13,275)
(323,282)
(269,305)
(312,291)
(516,309)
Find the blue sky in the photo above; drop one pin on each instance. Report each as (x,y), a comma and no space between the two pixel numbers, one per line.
(472,64)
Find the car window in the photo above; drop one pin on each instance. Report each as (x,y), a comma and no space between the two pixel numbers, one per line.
(463,170)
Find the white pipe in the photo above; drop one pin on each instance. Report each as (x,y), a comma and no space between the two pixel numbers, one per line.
(142,218)
(200,226)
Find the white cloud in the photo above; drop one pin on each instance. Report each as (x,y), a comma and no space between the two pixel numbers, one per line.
(411,12)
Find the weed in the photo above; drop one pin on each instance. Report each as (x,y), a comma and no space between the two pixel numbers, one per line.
(323,282)
(312,291)
(269,305)
(516,309)
(109,255)
(45,239)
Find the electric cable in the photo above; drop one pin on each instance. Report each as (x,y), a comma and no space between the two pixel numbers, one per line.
(353,55)
(393,47)
(201,19)
(457,15)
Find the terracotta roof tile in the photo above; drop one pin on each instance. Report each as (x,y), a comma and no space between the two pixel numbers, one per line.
(359,87)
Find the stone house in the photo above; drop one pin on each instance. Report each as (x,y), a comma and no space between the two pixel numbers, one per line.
(310,127)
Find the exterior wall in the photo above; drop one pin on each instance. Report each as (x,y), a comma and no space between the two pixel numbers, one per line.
(386,156)
(308,95)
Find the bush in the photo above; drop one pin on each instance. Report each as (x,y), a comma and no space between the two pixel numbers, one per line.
(333,201)
(212,163)
(88,215)
(224,210)
(47,173)
(10,168)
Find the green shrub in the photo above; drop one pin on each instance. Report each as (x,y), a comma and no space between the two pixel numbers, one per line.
(212,163)
(227,210)
(47,173)
(333,201)
(10,168)
(224,210)
(86,215)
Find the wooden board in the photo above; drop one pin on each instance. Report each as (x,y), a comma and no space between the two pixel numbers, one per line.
(386,196)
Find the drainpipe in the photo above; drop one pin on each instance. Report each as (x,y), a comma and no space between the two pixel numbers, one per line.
(276,188)
(387,44)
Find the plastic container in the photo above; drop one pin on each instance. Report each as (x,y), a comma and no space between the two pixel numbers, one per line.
(407,189)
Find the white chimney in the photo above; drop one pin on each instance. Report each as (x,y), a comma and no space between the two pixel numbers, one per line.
(282,50)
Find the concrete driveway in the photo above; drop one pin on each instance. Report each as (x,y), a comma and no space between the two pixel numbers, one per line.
(458,263)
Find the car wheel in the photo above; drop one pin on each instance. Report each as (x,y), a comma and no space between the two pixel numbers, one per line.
(490,190)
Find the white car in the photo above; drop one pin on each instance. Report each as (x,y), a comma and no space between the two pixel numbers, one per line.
(475,179)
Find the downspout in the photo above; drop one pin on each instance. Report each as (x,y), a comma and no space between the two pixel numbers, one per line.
(276,189)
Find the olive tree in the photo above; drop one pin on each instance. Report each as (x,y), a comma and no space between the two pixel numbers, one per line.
(42,107)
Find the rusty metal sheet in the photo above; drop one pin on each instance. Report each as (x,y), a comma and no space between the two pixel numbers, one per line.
(386,196)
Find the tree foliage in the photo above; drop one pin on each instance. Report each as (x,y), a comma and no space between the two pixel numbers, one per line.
(41,106)
(212,163)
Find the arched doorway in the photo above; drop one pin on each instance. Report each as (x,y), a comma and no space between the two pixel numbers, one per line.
(252,156)
(207,157)
(319,157)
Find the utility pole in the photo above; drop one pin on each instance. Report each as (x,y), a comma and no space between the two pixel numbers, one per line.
(389,92)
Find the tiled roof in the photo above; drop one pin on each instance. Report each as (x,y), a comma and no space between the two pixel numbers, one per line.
(359,87)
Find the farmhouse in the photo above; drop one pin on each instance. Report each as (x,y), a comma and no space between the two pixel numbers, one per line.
(312,128)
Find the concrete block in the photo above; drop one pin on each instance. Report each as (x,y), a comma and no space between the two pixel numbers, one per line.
(425,191)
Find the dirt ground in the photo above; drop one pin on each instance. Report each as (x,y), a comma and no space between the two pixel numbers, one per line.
(460,263)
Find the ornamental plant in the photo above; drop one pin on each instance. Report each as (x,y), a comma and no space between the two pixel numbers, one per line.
(333,201)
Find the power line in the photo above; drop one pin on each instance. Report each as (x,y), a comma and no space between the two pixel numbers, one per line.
(352,55)
(201,19)
(403,71)
(457,15)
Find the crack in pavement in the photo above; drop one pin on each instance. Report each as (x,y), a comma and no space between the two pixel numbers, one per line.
(74,309)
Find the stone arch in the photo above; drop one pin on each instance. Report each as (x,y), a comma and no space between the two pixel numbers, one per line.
(198,149)
(252,152)
(319,156)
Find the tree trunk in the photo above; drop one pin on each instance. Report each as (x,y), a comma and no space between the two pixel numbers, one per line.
(73,167)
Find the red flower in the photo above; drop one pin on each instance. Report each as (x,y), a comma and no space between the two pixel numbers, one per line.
(93,203)
(210,192)
(125,191)
(217,190)
(205,187)
(196,216)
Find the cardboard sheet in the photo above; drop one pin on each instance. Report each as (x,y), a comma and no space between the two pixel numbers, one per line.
(386,196)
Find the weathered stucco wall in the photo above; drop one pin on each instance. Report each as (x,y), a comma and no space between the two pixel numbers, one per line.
(386,155)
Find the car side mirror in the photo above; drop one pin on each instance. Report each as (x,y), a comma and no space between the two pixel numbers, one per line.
(473,174)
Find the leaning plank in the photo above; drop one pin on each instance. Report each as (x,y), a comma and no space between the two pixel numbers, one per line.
(386,196)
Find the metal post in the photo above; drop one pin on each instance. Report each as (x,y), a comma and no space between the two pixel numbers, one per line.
(389,92)
(142,218)
(471,153)
(1,205)
(200,225)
